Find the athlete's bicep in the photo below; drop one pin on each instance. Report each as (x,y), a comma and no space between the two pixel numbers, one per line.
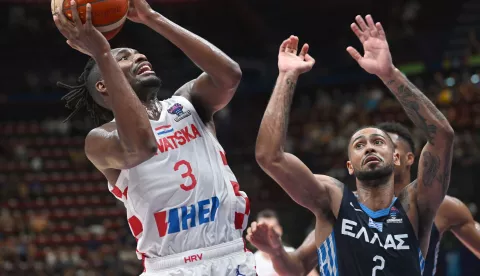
(300,183)
(461,223)
(104,149)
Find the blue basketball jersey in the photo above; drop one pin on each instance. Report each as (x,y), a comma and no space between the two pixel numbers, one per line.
(370,243)
(432,255)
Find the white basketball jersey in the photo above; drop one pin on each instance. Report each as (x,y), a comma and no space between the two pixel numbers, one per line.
(264,266)
(186,196)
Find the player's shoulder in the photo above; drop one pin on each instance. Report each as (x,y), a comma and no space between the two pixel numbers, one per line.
(185,90)
(195,103)
(330,182)
(408,192)
(452,212)
(334,189)
(407,197)
(452,201)
(97,137)
(102,131)
(452,207)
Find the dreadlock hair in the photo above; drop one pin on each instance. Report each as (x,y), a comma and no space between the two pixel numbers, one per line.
(80,100)
(400,130)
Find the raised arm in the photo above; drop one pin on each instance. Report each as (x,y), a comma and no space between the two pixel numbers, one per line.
(131,141)
(214,88)
(435,161)
(299,262)
(286,169)
(460,221)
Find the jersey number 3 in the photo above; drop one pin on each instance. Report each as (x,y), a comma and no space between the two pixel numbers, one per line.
(378,267)
(187,174)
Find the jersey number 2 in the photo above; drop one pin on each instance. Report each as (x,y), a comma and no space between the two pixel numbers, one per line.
(378,267)
(188,174)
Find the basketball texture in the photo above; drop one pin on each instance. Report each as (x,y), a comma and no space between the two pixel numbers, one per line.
(108,16)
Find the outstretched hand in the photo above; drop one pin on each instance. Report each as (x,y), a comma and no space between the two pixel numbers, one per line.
(289,61)
(264,238)
(376,58)
(82,37)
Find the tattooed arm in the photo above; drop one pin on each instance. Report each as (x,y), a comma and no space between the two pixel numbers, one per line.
(436,158)
(286,169)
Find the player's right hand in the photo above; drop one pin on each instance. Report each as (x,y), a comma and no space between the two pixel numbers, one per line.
(82,37)
(290,62)
(264,238)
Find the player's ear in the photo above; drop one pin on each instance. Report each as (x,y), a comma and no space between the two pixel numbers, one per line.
(410,158)
(350,168)
(100,86)
(396,158)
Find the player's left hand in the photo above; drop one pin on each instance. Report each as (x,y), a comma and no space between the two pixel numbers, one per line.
(82,37)
(289,61)
(376,58)
(264,238)
(139,11)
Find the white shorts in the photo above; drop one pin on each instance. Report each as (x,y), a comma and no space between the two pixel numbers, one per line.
(226,259)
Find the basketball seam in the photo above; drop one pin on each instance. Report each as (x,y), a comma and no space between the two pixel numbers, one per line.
(117,24)
(103,25)
(81,5)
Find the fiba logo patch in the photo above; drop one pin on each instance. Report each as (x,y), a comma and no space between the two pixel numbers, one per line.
(393,216)
(177,109)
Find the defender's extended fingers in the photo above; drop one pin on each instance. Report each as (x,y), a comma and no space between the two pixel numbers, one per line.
(357,32)
(361,23)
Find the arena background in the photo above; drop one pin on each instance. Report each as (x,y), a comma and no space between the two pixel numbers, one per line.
(57,216)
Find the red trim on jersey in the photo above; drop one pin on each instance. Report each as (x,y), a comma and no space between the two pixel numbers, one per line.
(161,222)
(143,262)
(125,192)
(143,258)
(224,158)
(116,191)
(236,188)
(162,127)
(247,205)
(239,220)
(135,225)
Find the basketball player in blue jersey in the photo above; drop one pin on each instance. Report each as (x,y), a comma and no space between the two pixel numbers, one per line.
(373,232)
(452,215)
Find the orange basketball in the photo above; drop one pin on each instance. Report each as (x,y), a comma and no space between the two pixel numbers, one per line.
(108,16)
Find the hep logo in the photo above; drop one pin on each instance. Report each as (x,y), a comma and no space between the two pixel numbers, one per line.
(177,109)
(185,217)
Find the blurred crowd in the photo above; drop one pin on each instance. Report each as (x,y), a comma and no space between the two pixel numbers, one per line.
(56,214)
(34,236)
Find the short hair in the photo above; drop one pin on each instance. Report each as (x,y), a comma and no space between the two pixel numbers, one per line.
(268,214)
(364,127)
(80,97)
(400,130)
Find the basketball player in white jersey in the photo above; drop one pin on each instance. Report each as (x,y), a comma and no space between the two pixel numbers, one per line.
(161,158)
